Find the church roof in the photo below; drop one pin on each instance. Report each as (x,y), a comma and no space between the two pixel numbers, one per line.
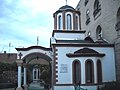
(32,47)
(85,52)
(66,7)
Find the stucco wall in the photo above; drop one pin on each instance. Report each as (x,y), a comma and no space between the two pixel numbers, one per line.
(108,64)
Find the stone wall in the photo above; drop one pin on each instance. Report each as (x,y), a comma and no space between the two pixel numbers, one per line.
(117,53)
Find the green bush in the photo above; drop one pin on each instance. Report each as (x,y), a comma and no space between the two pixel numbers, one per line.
(110,86)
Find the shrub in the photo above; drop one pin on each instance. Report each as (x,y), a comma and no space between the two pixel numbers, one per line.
(110,86)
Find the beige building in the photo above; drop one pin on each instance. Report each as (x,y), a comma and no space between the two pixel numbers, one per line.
(101,20)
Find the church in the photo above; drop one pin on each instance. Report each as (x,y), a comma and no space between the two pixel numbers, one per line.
(74,56)
(77,58)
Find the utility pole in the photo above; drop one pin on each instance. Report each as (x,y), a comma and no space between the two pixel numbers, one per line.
(37,40)
(9,46)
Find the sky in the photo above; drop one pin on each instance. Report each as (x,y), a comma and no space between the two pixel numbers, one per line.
(23,21)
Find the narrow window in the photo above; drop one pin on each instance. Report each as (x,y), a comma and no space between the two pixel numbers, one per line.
(86,1)
(99,71)
(99,32)
(60,22)
(118,20)
(87,16)
(69,23)
(118,15)
(76,72)
(77,23)
(89,34)
(89,72)
(97,8)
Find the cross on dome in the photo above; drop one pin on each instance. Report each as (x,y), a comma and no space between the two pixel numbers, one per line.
(66,2)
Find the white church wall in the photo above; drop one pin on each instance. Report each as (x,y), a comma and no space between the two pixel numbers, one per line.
(64,77)
(108,64)
(69,36)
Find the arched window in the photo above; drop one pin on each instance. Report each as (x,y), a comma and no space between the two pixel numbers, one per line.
(97,7)
(118,15)
(69,22)
(89,68)
(60,22)
(89,33)
(86,1)
(99,71)
(99,32)
(118,20)
(87,16)
(76,72)
(77,23)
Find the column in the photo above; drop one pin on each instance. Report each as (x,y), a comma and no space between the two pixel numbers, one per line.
(95,71)
(37,74)
(25,77)
(83,72)
(19,62)
(33,74)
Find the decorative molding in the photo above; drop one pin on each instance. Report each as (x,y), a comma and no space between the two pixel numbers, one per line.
(33,47)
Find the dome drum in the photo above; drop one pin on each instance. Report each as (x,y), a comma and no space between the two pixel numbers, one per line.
(66,18)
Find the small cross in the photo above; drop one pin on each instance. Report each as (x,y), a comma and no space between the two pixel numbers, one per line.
(66,2)
(20,55)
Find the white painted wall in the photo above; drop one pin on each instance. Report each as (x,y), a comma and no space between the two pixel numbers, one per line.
(108,64)
(24,53)
(69,36)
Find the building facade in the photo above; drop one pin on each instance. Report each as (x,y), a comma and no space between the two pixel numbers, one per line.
(84,47)
(101,20)
(79,58)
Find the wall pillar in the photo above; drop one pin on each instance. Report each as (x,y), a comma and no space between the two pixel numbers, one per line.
(33,74)
(95,71)
(83,79)
(37,74)
(25,76)
(19,63)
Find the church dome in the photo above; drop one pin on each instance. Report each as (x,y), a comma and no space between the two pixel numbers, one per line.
(66,18)
(66,7)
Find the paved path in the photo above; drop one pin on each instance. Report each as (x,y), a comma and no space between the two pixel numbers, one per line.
(35,86)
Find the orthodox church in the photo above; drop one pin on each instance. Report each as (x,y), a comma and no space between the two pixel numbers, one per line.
(77,58)
(74,57)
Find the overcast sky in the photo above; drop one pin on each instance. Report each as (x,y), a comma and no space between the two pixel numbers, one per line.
(21,21)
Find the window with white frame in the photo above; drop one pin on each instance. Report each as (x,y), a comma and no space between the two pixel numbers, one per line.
(99,71)
(60,22)
(77,22)
(69,22)
(76,72)
(89,69)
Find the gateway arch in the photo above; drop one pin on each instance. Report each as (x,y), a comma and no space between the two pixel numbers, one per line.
(32,54)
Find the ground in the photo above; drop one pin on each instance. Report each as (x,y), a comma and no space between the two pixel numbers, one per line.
(36,86)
